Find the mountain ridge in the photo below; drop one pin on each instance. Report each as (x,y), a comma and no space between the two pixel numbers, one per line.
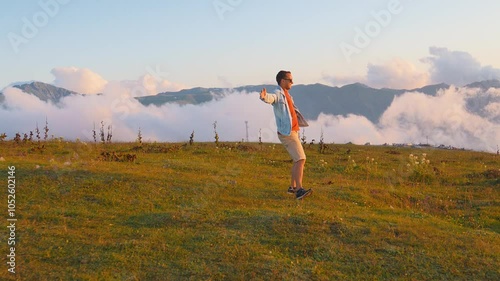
(313,99)
(43,91)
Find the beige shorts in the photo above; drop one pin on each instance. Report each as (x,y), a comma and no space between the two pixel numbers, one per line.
(293,146)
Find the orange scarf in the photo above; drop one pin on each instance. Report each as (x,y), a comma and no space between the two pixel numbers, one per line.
(295,121)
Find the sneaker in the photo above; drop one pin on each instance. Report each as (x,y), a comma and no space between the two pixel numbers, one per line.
(301,193)
(291,190)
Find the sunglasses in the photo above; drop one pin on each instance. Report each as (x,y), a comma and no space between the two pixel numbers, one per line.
(290,80)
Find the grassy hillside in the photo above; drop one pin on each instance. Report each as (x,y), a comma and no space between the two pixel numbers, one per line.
(161,211)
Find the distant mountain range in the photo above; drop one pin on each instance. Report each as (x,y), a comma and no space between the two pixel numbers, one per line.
(357,98)
(45,92)
(312,100)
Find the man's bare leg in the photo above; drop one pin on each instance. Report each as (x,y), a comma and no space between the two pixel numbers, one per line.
(297,173)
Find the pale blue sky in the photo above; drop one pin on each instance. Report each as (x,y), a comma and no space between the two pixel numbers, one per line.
(245,44)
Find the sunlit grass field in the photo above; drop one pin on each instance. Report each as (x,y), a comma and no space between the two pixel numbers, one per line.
(174,211)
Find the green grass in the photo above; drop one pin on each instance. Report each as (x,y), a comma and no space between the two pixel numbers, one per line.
(181,212)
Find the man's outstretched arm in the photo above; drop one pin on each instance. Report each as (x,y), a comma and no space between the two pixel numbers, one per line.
(267,98)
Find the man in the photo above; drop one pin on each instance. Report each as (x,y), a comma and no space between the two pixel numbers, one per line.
(289,120)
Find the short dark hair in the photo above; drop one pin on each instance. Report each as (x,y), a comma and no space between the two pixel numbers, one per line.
(281,75)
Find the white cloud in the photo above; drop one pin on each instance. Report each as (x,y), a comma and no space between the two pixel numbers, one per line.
(162,85)
(419,118)
(443,119)
(445,66)
(342,129)
(81,80)
(457,67)
(493,110)
(18,100)
(396,74)
(85,81)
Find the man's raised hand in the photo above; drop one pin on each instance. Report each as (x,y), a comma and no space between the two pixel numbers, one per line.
(263,94)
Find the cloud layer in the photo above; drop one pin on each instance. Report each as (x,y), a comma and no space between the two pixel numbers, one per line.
(445,66)
(458,68)
(81,80)
(397,74)
(85,81)
(445,119)
(411,118)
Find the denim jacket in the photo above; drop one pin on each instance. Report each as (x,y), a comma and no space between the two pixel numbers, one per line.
(282,112)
